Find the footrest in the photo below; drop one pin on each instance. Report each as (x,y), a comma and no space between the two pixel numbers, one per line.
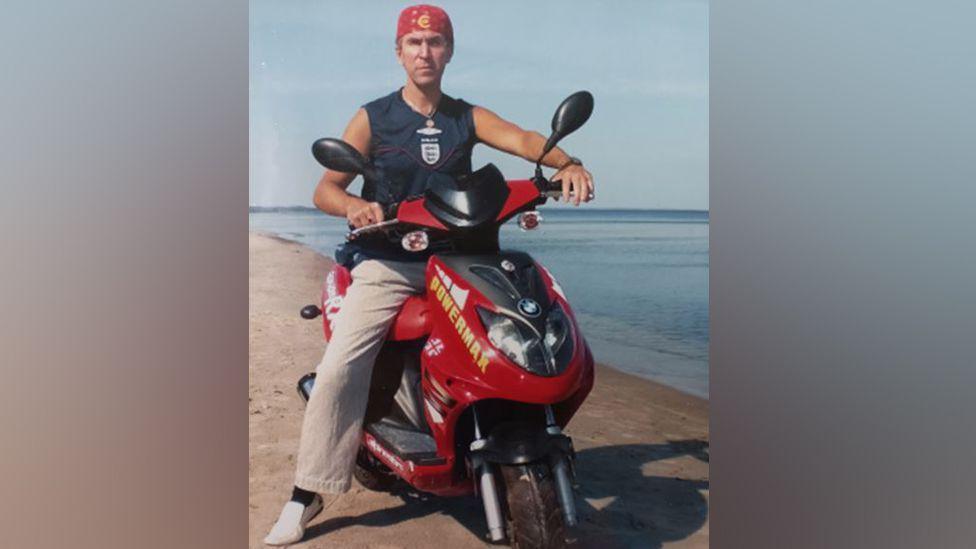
(406,443)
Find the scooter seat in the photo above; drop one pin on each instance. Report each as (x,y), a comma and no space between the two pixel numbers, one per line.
(413,320)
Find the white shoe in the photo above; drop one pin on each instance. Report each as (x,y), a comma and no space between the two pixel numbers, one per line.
(290,527)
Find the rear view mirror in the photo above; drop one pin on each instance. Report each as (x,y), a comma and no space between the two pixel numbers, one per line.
(572,113)
(336,154)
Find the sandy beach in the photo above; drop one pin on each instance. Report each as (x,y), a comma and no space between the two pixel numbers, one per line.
(642,448)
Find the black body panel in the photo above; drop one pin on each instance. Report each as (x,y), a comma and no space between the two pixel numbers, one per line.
(467,202)
(521,442)
(394,390)
(504,288)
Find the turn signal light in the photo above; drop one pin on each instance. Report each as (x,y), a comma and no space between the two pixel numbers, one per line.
(416,241)
(529,220)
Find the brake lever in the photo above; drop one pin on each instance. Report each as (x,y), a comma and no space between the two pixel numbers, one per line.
(389,215)
(355,233)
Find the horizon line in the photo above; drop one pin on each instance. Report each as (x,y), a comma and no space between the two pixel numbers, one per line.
(259,208)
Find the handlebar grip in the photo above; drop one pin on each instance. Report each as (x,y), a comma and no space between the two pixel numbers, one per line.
(390,211)
(546,186)
(554,189)
(553,186)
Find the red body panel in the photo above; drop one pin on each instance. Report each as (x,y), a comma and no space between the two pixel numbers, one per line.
(521,192)
(454,375)
(475,366)
(333,291)
(412,322)
(414,212)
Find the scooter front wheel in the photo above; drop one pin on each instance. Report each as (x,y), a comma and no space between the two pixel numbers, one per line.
(535,519)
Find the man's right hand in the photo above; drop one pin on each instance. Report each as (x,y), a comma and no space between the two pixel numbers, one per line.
(361,213)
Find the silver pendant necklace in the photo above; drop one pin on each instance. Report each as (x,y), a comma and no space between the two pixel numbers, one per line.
(429,117)
(429,143)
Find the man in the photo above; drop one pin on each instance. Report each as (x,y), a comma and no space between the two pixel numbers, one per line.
(408,135)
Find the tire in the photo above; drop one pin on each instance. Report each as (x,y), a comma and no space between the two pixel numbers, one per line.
(535,518)
(371,474)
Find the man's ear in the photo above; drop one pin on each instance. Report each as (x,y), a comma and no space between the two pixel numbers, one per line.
(450,53)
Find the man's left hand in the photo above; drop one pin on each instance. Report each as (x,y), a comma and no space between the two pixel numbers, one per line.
(577,184)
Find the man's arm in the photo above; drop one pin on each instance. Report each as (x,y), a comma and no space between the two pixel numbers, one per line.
(330,194)
(501,134)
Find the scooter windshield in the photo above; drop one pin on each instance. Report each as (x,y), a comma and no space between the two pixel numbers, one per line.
(467,202)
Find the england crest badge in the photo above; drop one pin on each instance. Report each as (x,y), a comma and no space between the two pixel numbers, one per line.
(430,152)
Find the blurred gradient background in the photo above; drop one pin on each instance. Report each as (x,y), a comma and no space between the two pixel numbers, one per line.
(842,269)
(123,396)
(841,274)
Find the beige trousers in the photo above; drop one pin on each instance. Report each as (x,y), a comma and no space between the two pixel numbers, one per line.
(332,428)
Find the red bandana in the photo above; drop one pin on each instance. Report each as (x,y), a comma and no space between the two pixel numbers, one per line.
(424,17)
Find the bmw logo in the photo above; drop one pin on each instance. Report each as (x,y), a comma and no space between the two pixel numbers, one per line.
(529,307)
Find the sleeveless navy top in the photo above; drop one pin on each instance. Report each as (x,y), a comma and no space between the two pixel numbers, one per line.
(406,149)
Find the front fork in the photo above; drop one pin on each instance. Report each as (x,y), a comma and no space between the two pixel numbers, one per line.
(484,475)
(562,471)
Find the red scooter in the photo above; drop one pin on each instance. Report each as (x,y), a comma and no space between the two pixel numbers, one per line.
(480,374)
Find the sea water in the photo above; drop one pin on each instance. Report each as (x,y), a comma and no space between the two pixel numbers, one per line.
(636,279)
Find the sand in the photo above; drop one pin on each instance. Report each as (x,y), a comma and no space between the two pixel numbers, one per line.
(642,448)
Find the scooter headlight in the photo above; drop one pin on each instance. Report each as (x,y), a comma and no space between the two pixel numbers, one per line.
(517,342)
(559,336)
(521,345)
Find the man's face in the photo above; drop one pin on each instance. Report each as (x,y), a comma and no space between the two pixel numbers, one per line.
(424,54)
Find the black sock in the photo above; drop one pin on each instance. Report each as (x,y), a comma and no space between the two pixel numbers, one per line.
(302,496)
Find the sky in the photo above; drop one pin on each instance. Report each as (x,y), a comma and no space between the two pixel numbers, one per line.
(314,63)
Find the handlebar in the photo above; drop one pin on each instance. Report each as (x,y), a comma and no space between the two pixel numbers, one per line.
(547,189)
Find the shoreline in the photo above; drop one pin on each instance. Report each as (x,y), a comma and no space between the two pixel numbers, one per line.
(641,447)
(602,365)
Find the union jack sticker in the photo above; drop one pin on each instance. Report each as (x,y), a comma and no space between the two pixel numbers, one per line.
(433,347)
